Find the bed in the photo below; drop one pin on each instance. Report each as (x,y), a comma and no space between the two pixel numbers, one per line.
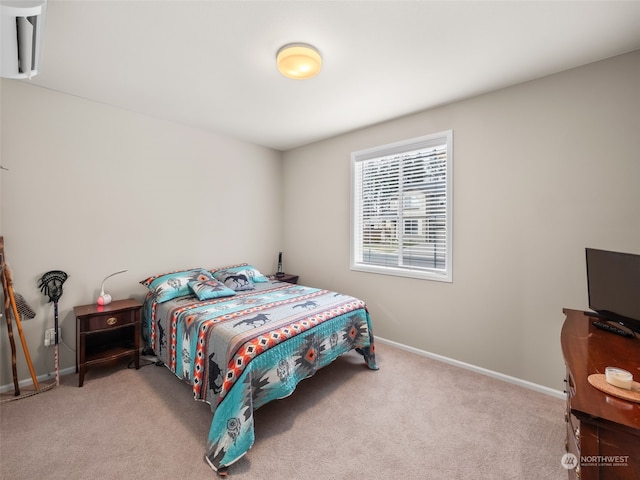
(242,340)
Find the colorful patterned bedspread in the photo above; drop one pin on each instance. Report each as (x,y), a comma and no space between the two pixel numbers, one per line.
(241,352)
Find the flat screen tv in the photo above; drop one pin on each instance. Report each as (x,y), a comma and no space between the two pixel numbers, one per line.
(613,284)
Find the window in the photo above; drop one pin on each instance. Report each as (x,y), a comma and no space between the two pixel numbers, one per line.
(410,226)
(401,213)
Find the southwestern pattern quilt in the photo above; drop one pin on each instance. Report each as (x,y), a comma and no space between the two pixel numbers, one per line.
(243,351)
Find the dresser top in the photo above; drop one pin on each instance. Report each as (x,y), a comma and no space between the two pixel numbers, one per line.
(588,350)
(116,305)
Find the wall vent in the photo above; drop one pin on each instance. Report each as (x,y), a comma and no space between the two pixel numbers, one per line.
(21,34)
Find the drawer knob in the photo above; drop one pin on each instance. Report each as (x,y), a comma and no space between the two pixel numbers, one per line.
(112,321)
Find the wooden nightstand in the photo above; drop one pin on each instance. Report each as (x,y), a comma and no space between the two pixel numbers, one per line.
(287,277)
(105,333)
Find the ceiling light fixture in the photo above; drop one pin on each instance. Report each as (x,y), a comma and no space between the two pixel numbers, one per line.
(299,61)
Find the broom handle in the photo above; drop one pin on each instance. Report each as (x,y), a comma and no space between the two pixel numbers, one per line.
(7,300)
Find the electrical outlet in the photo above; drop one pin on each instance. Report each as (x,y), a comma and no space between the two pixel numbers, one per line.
(50,337)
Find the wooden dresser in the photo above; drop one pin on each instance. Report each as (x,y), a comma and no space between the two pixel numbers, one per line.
(603,431)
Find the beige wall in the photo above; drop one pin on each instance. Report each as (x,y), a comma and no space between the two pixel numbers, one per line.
(93,189)
(541,171)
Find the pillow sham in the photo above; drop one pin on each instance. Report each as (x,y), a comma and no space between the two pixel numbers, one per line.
(207,289)
(170,285)
(237,281)
(249,270)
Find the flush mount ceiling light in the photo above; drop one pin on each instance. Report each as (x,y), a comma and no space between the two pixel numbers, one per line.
(299,61)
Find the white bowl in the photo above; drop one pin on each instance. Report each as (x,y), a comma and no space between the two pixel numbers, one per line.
(618,377)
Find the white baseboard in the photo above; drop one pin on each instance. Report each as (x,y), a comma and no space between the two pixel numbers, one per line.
(42,378)
(490,373)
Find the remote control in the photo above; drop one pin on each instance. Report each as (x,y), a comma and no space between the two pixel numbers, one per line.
(612,329)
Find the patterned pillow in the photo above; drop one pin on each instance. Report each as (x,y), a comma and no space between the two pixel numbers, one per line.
(170,285)
(237,281)
(207,289)
(250,271)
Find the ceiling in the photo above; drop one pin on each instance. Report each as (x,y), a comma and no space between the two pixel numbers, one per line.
(211,64)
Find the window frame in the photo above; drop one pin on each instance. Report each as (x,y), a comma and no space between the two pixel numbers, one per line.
(382,152)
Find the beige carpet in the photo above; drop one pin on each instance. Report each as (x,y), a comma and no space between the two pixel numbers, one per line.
(415,418)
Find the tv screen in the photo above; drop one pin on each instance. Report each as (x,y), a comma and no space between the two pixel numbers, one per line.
(613,284)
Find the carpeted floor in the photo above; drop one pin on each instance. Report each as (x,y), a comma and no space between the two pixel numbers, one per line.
(415,418)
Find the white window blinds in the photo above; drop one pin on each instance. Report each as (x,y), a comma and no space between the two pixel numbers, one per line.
(401,208)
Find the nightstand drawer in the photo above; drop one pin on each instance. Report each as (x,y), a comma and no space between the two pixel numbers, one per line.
(108,320)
